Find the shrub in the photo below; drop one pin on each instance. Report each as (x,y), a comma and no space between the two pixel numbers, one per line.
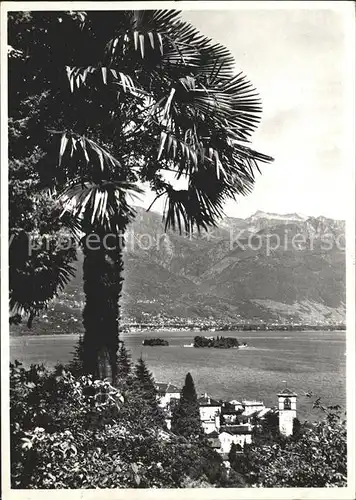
(76,432)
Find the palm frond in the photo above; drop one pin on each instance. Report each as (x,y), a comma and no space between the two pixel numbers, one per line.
(196,206)
(144,35)
(154,35)
(233,103)
(78,76)
(98,204)
(88,151)
(67,223)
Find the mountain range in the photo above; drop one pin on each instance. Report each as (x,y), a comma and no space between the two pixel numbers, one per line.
(267,268)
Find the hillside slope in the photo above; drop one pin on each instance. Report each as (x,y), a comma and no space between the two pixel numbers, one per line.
(268,267)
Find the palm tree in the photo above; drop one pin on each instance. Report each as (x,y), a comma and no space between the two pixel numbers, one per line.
(146,94)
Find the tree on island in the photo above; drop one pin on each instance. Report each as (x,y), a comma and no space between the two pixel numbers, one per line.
(100,112)
(218,342)
(155,342)
(186,416)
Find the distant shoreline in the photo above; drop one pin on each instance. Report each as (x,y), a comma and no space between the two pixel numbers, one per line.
(242,328)
(186,329)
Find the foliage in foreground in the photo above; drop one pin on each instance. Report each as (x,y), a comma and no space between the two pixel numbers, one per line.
(76,432)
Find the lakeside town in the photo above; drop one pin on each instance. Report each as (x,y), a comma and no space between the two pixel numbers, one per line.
(63,320)
(159,323)
(227,423)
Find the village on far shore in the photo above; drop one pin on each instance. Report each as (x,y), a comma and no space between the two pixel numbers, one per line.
(179,324)
(232,422)
(162,322)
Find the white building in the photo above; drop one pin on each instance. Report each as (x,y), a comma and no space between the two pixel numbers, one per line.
(237,404)
(252,407)
(210,411)
(166,393)
(287,409)
(237,434)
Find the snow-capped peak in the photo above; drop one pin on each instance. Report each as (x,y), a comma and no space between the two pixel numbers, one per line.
(273,216)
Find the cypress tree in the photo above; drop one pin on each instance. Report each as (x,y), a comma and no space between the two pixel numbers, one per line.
(124,365)
(75,366)
(186,416)
(145,379)
(146,390)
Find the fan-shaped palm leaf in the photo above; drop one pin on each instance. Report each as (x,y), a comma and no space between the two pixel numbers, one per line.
(89,152)
(193,207)
(100,204)
(78,76)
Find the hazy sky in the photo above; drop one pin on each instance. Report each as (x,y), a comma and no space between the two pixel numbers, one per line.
(296,60)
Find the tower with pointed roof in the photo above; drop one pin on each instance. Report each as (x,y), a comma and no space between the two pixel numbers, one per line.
(287,409)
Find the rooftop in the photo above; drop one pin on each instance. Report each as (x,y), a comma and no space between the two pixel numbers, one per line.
(230,410)
(287,392)
(264,412)
(167,388)
(253,414)
(212,434)
(235,429)
(252,403)
(208,401)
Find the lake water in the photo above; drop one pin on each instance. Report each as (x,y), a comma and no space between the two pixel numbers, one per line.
(306,361)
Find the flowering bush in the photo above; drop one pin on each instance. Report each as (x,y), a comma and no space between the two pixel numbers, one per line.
(75,432)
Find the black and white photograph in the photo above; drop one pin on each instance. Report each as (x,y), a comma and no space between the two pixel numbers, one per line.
(178,249)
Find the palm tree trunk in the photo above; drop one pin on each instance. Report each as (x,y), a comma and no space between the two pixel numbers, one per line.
(102,274)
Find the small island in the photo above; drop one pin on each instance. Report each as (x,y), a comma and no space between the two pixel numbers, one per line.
(155,342)
(218,342)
